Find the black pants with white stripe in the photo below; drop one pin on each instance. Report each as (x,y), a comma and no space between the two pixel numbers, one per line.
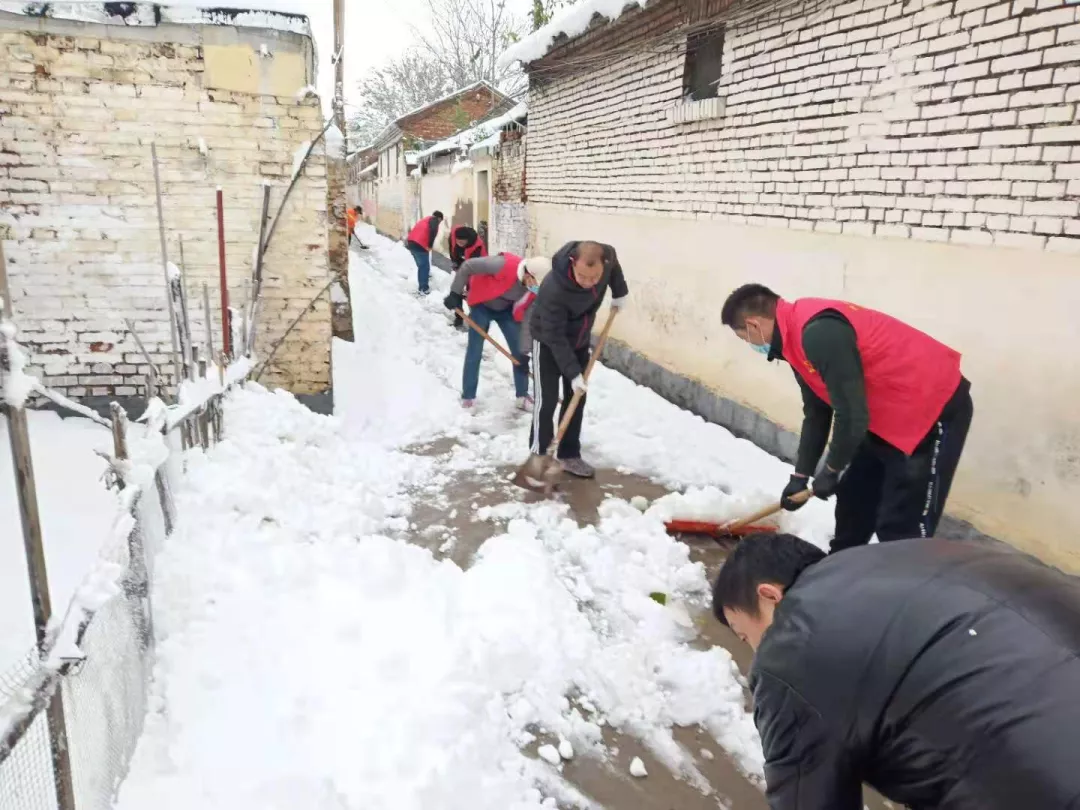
(548,382)
(899,496)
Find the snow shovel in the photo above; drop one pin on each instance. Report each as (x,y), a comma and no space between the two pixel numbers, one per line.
(539,472)
(474,325)
(736,528)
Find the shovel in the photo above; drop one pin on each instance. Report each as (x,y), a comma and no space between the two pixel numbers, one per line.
(736,528)
(474,325)
(539,472)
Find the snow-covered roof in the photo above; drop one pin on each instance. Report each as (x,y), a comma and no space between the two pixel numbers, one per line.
(480,132)
(452,94)
(182,13)
(368,169)
(411,158)
(572,22)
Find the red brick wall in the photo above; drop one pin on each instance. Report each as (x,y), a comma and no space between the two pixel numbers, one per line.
(452,115)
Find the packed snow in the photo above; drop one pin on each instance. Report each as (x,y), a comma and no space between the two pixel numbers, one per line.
(570,22)
(77,514)
(309,656)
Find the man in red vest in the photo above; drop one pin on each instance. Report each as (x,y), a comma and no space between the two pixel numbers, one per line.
(420,241)
(898,406)
(494,286)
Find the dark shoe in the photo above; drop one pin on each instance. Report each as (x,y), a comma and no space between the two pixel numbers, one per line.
(578,467)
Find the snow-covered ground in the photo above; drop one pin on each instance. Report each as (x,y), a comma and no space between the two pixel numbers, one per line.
(309,657)
(77,515)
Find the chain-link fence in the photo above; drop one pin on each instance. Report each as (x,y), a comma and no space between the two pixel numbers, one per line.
(101,697)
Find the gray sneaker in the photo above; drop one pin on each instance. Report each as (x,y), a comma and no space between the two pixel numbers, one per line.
(578,467)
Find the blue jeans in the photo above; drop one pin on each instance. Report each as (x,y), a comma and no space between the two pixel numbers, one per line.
(484,316)
(423,266)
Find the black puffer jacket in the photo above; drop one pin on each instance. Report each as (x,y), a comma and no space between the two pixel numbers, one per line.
(946,674)
(564,312)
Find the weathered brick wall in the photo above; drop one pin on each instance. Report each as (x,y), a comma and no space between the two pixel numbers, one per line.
(77,185)
(510,215)
(942,121)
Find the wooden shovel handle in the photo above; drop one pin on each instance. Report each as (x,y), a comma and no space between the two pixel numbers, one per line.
(576,399)
(474,325)
(767,511)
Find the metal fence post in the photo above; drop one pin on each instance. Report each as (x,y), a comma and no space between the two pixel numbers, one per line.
(35,561)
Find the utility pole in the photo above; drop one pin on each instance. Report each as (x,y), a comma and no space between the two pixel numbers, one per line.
(337,192)
(339,66)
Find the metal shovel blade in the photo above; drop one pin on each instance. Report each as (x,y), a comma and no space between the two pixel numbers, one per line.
(538,474)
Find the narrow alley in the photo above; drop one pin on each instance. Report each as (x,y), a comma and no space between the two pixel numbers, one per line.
(363,608)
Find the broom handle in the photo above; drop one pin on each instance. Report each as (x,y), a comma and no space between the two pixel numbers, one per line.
(766,511)
(474,325)
(576,399)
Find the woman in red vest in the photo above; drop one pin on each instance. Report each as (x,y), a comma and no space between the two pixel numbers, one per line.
(894,397)
(494,287)
(420,241)
(465,243)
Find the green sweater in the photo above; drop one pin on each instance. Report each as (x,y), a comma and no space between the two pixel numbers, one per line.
(829,344)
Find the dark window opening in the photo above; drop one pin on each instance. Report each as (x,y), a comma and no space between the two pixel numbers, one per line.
(704,60)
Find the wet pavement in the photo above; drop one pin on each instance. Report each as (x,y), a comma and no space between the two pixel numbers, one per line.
(608,782)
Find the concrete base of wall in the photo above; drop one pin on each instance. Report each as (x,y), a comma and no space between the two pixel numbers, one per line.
(743,422)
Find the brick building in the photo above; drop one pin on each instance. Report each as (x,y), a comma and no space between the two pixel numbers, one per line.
(359,160)
(920,157)
(459,175)
(84,92)
(398,203)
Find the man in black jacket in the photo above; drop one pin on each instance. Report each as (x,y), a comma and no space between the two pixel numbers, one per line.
(945,674)
(561,322)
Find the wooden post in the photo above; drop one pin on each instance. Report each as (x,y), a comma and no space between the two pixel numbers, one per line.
(209,323)
(154,374)
(174,325)
(257,274)
(26,489)
(187,341)
(226,320)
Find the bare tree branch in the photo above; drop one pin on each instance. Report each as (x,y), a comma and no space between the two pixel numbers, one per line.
(406,82)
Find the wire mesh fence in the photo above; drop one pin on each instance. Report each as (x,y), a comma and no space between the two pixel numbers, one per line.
(103,693)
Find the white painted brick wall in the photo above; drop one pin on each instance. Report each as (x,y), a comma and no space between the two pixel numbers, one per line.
(77,187)
(918,120)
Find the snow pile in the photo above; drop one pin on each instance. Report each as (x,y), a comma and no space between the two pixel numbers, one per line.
(288,16)
(15,384)
(572,22)
(76,512)
(309,657)
(407,681)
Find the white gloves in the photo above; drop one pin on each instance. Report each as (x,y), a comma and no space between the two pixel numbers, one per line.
(619,303)
(579,384)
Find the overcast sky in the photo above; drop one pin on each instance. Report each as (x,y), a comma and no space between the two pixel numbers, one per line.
(375,30)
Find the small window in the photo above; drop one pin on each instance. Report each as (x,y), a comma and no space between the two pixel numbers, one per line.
(704,60)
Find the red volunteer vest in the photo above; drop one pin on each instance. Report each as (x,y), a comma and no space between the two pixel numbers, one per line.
(909,376)
(421,233)
(487,288)
(477,248)
(522,306)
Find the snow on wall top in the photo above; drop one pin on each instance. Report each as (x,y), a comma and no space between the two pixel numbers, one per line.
(484,130)
(571,23)
(286,15)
